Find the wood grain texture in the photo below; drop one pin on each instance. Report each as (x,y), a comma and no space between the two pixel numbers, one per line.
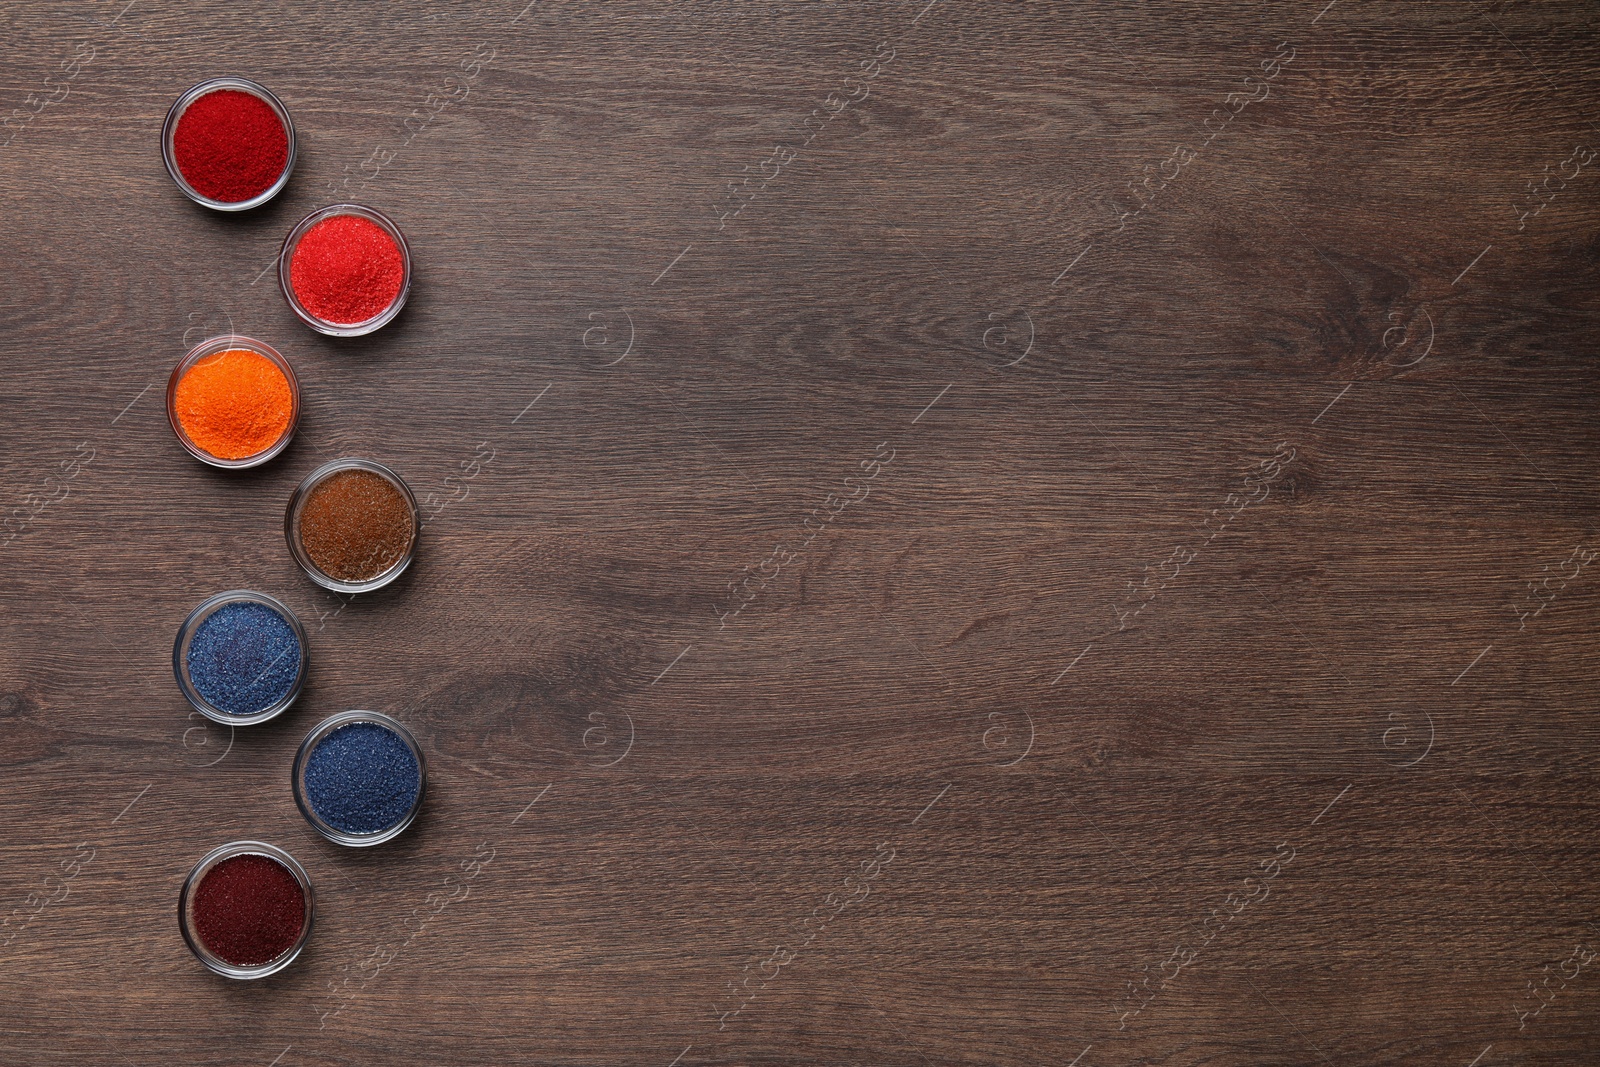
(1201,672)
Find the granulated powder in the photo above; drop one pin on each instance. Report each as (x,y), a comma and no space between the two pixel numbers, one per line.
(230,145)
(362,778)
(355,525)
(244,658)
(346,269)
(249,910)
(234,404)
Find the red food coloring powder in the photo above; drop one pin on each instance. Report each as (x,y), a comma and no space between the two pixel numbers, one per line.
(346,269)
(249,910)
(230,146)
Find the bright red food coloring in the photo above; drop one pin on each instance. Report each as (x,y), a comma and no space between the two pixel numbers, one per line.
(249,910)
(230,146)
(346,269)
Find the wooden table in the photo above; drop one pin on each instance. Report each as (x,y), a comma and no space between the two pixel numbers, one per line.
(957,534)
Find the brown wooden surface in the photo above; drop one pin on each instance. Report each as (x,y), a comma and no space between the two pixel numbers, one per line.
(925,799)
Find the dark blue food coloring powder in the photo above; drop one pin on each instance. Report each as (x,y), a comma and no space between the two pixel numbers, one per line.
(244,658)
(362,778)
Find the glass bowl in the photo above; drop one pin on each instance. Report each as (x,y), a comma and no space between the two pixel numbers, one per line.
(211,348)
(186,918)
(169,130)
(297,502)
(350,329)
(186,634)
(303,757)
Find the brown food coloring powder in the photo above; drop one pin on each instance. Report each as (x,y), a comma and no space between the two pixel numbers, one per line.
(355,525)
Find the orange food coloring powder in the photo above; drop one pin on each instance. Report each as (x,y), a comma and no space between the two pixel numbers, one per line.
(234,404)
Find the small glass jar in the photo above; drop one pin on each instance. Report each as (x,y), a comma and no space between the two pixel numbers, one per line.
(303,757)
(297,502)
(186,908)
(186,635)
(226,343)
(169,130)
(338,329)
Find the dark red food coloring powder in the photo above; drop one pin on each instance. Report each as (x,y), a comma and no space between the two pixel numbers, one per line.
(346,269)
(230,146)
(249,910)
